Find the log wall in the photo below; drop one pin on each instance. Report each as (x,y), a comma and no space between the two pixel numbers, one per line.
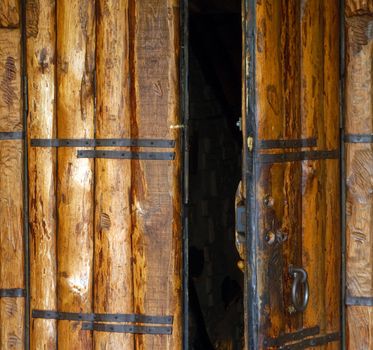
(12,309)
(359,172)
(105,234)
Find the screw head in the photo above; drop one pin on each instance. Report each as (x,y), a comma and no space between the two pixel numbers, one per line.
(270,237)
(269,201)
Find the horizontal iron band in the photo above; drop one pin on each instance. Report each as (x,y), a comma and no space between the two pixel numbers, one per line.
(12,293)
(359,301)
(358,138)
(72,316)
(134,329)
(126,155)
(291,143)
(296,156)
(103,143)
(288,337)
(312,342)
(12,135)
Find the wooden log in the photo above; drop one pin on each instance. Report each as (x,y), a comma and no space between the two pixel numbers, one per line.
(75,111)
(113,254)
(359,170)
(41,56)
(155,192)
(9,13)
(12,310)
(320,185)
(278,83)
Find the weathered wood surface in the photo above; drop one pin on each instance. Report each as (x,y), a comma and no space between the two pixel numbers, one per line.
(75,202)
(9,13)
(113,292)
(41,63)
(359,170)
(156,228)
(297,81)
(11,192)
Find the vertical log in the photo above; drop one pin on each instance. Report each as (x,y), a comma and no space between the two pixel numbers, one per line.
(9,13)
(41,56)
(359,170)
(11,192)
(113,256)
(313,184)
(75,115)
(156,224)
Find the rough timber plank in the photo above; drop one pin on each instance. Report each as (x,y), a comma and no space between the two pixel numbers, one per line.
(9,13)
(156,232)
(41,56)
(113,255)
(359,170)
(75,119)
(11,192)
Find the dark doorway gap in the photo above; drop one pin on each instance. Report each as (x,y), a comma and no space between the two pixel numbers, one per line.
(216,283)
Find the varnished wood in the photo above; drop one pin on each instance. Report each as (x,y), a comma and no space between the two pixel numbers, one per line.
(297,84)
(9,13)
(156,228)
(359,170)
(41,65)
(113,247)
(11,192)
(75,119)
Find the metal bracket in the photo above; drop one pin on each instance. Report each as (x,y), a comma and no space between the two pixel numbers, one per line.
(126,155)
(291,143)
(12,293)
(358,138)
(296,156)
(290,337)
(12,135)
(312,342)
(134,329)
(74,316)
(359,301)
(119,142)
(241,219)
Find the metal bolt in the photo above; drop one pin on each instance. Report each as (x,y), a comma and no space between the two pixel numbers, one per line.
(269,201)
(270,237)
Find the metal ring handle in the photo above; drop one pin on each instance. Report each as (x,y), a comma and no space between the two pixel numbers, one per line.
(300,278)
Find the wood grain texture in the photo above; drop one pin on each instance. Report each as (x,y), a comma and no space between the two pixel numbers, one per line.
(12,310)
(359,170)
(41,70)
(75,119)
(359,327)
(10,80)
(11,243)
(113,247)
(297,82)
(9,13)
(155,192)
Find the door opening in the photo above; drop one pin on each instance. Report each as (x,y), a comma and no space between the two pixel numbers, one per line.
(215,283)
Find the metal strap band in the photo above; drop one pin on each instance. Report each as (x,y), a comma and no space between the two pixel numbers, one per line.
(134,329)
(12,293)
(289,337)
(291,143)
(73,316)
(296,156)
(126,155)
(358,138)
(14,135)
(103,143)
(359,301)
(312,342)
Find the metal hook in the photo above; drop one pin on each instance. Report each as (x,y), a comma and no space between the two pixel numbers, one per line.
(300,278)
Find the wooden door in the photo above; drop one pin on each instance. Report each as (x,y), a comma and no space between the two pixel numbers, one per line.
(104,174)
(291,173)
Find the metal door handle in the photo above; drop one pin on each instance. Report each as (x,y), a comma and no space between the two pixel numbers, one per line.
(300,278)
